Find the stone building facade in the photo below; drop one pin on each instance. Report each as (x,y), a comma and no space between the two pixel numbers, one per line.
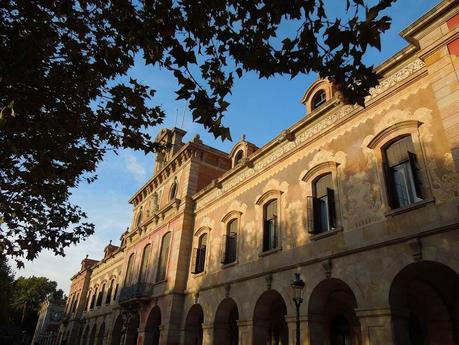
(363,203)
(49,317)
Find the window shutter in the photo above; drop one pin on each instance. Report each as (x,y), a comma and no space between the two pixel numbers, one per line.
(316,215)
(274,232)
(415,171)
(194,262)
(310,210)
(391,194)
(224,249)
(331,207)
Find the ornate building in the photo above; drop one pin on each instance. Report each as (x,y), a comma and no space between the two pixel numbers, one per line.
(49,318)
(363,203)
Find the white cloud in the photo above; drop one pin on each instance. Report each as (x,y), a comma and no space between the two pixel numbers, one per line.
(135,168)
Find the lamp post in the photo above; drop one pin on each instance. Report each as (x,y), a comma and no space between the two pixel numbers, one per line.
(298,287)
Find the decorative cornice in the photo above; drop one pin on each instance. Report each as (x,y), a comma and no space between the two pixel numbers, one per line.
(267,156)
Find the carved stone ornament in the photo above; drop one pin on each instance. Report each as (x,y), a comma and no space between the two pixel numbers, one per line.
(269,281)
(196,297)
(227,290)
(415,246)
(327,266)
(286,135)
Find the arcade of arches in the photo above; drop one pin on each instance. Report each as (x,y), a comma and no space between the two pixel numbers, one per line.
(424,305)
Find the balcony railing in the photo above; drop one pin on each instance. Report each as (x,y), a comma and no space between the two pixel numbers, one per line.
(136,292)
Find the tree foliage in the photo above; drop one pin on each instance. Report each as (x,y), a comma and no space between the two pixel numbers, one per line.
(65,98)
(20,300)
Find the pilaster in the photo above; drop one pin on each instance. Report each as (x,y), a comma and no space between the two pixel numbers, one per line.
(376,326)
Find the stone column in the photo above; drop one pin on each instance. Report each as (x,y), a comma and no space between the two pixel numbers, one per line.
(245,328)
(375,326)
(141,332)
(207,334)
(304,329)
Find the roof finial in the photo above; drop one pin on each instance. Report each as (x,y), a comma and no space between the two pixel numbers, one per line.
(110,242)
(243,137)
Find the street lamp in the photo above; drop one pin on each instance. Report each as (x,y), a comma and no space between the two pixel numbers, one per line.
(298,289)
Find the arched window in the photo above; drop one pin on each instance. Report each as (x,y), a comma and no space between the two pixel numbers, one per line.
(270,225)
(93,299)
(163,257)
(173,190)
(401,171)
(115,294)
(139,217)
(199,255)
(128,275)
(321,205)
(238,157)
(319,98)
(109,293)
(229,242)
(75,302)
(144,265)
(100,297)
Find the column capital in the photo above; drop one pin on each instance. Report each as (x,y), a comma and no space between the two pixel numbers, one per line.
(207,325)
(292,318)
(244,323)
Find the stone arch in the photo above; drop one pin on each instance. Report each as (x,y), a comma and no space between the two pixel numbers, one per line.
(331,311)
(153,326)
(132,325)
(117,332)
(101,334)
(84,338)
(226,331)
(269,324)
(193,325)
(424,299)
(92,335)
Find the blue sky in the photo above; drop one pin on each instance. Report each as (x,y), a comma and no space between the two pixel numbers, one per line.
(259,108)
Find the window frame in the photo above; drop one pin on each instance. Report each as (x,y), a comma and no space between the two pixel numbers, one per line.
(262,202)
(315,95)
(407,166)
(309,179)
(226,220)
(196,242)
(384,139)
(166,264)
(143,271)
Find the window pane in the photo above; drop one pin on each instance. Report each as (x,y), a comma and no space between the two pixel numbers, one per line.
(203,240)
(403,184)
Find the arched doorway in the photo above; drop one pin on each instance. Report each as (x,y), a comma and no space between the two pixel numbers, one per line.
(424,298)
(225,327)
(117,331)
(132,321)
(331,313)
(84,338)
(269,325)
(152,325)
(193,325)
(92,335)
(100,335)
